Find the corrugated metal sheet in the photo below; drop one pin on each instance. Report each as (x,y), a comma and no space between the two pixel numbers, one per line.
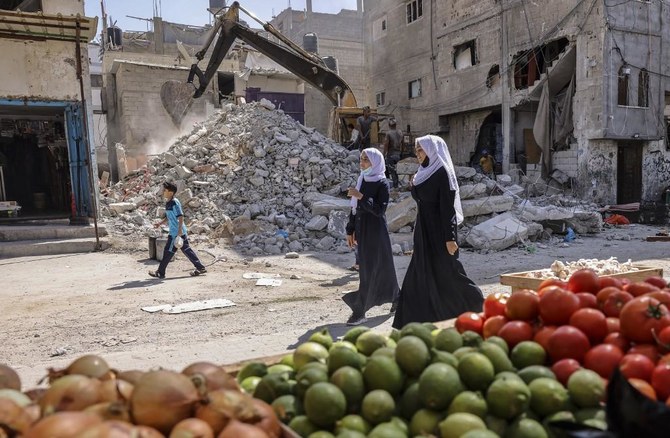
(37,26)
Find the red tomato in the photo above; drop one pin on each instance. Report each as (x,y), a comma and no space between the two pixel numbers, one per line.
(557,306)
(661,295)
(492,326)
(604,293)
(587,299)
(544,290)
(564,369)
(640,315)
(568,342)
(636,366)
(522,305)
(514,332)
(643,387)
(470,321)
(649,350)
(660,380)
(615,338)
(552,282)
(584,280)
(591,322)
(603,359)
(542,335)
(640,288)
(494,304)
(663,339)
(604,282)
(615,302)
(613,324)
(657,281)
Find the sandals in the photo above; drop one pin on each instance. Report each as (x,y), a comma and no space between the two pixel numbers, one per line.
(354,268)
(156,274)
(197,272)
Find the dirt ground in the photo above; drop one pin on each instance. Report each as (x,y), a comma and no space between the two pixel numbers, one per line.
(56,308)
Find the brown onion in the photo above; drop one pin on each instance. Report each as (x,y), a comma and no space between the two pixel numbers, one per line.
(161,399)
(192,428)
(14,417)
(238,429)
(70,393)
(89,365)
(119,429)
(9,379)
(115,390)
(132,376)
(16,396)
(34,412)
(215,376)
(63,425)
(268,420)
(111,411)
(225,405)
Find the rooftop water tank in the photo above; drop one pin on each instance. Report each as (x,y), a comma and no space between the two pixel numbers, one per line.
(310,42)
(115,36)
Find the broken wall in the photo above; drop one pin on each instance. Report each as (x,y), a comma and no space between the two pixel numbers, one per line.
(597,168)
(655,171)
(463,135)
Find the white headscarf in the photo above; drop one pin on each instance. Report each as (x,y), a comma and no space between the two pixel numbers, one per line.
(375,173)
(438,157)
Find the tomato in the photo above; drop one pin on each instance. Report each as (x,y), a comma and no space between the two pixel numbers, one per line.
(514,332)
(603,359)
(564,369)
(604,282)
(568,342)
(544,290)
(661,295)
(615,302)
(542,336)
(640,288)
(660,380)
(640,315)
(643,387)
(663,339)
(657,281)
(494,304)
(604,293)
(584,280)
(613,324)
(492,326)
(552,282)
(522,305)
(649,350)
(557,306)
(617,339)
(591,322)
(470,321)
(636,365)
(587,300)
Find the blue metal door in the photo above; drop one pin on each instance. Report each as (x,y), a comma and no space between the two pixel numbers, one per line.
(78,149)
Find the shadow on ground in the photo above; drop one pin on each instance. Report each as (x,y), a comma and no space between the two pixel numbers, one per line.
(337,330)
(135,284)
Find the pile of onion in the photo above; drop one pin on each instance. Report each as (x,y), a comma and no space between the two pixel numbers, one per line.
(90,399)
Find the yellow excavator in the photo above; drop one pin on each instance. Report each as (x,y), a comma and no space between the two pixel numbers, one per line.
(177,97)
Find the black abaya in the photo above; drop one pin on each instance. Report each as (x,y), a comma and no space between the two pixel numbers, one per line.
(378,282)
(435,287)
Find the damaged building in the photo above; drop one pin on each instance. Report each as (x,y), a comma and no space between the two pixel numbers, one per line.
(45,110)
(571,93)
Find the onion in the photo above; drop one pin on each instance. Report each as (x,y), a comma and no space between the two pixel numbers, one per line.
(70,393)
(132,376)
(161,399)
(89,366)
(119,429)
(36,394)
(9,379)
(215,376)
(192,428)
(34,412)
(16,396)
(14,417)
(115,390)
(237,429)
(268,420)
(225,405)
(111,411)
(63,425)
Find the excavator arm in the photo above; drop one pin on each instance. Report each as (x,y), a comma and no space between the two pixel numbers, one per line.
(306,66)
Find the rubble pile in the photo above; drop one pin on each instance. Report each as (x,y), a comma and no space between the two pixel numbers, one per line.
(250,173)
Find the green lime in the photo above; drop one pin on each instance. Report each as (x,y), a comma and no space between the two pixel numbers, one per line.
(322,337)
(287,407)
(586,388)
(420,331)
(353,422)
(309,352)
(457,425)
(424,422)
(378,406)
(412,355)
(382,372)
(324,404)
(438,385)
(508,398)
(370,341)
(547,396)
(350,381)
(470,402)
(476,371)
(533,372)
(527,353)
(448,340)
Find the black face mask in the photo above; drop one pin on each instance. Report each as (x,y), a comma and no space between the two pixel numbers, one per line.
(425,162)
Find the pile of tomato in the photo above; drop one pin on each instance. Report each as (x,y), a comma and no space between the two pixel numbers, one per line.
(598,323)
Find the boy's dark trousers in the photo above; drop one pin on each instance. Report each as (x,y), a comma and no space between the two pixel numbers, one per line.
(170,251)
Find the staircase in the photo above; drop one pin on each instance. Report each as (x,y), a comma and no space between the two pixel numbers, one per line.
(50,237)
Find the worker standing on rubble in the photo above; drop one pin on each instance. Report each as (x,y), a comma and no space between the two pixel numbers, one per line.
(364,125)
(487,163)
(367,228)
(178,237)
(436,287)
(392,149)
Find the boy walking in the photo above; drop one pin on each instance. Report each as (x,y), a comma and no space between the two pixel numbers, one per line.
(175,219)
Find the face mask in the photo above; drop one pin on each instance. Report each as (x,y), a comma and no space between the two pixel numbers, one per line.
(425,162)
(367,171)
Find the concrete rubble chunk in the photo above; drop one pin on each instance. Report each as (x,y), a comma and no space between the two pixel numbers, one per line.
(267,104)
(407,166)
(504,180)
(400,214)
(464,172)
(469,191)
(586,222)
(183,172)
(535,213)
(122,207)
(317,223)
(326,206)
(337,224)
(326,243)
(487,205)
(497,233)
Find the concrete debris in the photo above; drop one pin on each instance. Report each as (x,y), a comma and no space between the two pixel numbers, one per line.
(488,205)
(401,214)
(498,233)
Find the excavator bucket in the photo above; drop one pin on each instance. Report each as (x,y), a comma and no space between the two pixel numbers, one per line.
(177,98)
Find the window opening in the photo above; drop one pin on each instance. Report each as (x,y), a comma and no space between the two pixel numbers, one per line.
(624,76)
(465,55)
(414,10)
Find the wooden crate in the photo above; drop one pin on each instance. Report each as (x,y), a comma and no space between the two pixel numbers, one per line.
(524,280)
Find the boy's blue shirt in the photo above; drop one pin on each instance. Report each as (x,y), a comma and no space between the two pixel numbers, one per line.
(172,212)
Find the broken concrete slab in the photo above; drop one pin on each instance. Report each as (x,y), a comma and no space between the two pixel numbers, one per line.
(324,207)
(465,172)
(586,222)
(317,223)
(337,224)
(122,207)
(537,213)
(407,166)
(469,191)
(491,204)
(400,214)
(498,233)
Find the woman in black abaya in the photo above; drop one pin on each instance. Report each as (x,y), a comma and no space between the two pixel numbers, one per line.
(436,287)
(367,228)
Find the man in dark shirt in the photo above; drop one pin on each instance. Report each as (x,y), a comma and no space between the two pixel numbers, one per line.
(363,125)
(392,149)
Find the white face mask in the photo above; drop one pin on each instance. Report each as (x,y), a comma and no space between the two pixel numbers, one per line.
(366,171)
